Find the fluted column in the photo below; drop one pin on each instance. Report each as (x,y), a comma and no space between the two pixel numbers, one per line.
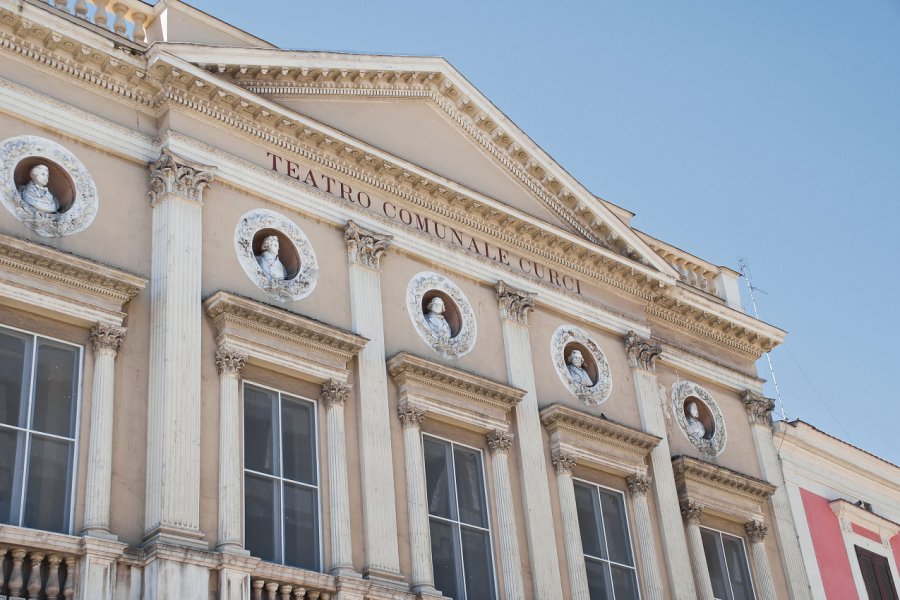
(691,512)
(106,341)
(759,411)
(543,559)
(756,533)
(578,581)
(499,443)
(365,250)
(422,576)
(335,395)
(638,486)
(173,430)
(230,364)
(642,359)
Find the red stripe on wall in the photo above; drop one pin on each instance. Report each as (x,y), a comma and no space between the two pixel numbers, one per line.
(828,542)
(859,529)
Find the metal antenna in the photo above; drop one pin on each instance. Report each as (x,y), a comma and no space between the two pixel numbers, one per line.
(745,271)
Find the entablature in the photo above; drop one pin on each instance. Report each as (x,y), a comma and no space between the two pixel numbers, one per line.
(721,491)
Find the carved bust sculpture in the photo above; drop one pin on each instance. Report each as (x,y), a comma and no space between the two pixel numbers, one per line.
(268,260)
(575,364)
(36,194)
(434,318)
(695,426)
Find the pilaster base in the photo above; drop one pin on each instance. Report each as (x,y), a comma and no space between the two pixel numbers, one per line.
(175,536)
(345,571)
(97,578)
(390,579)
(166,578)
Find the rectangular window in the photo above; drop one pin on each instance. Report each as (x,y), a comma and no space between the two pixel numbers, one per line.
(460,531)
(606,543)
(876,573)
(281,489)
(728,567)
(39,383)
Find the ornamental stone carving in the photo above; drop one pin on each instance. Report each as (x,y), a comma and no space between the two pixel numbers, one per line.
(699,417)
(581,365)
(638,485)
(441,315)
(46,187)
(230,362)
(411,416)
(107,337)
(562,462)
(366,247)
(499,441)
(691,511)
(276,255)
(514,304)
(756,531)
(171,174)
(759,408)
(641,354)
(335,392)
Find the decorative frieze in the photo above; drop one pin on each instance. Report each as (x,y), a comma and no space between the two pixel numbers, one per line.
(171,174)
(514,304)
(499,441)
(335,392)
(107,338)
(230,362)
(364,246)
(759,408)
(641,353)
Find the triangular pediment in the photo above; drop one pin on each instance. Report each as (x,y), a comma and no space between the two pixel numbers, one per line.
(424,113)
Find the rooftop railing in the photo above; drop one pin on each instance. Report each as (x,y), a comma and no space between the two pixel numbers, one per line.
(127,18)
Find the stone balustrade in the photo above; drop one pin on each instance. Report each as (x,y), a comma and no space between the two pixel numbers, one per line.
(36,574)
(264,589)
(127,18)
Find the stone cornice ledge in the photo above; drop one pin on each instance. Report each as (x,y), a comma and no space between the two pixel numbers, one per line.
(598,441)
(688,468)
(721,490)
(280,338)
(853,513)
(454,394)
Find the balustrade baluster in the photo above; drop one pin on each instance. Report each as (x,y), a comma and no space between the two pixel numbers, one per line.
(100,16)
(257,589)
(314,595)
(3,551)
(69,587)
(285,592)
(139,34)
(16,580)
(81,9)
(271,589)
(119,26)
(52,588)
(299,593)
(34,580)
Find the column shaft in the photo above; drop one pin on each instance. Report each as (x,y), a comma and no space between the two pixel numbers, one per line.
(335,395)
(698,556)
(765,587)
(230,473)
(106,341)
(578,581)
(638,486)
(499,444)
(422,576)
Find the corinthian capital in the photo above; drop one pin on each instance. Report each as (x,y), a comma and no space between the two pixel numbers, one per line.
(562,462)
(107,337)
(366,247)
(171,174)
(641,354)
(756,531)
(499,441)
(759,408)
(411,416)
(638,485)
(335,392)
(229,361)
(514,304)
(691,511)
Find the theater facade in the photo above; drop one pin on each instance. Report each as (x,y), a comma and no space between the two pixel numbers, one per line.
(306,325)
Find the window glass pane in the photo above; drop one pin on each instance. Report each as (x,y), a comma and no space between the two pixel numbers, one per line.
(259,427)
(47,492)
(261,511)
(738,571)
(587,521)
(624,582)
(715,564)
(301,527)
(15,356)
(54,389)
(298,446)
(470,487)
(599,584)
(616,527)
(12,449)
(437,480)
(444,558)
(479,569)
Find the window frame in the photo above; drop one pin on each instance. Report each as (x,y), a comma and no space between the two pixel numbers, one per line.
(634,555)
(860,552)
(281,479)
(460,524)
(720,533)
(29,432)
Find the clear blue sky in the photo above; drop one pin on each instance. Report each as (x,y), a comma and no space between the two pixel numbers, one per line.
(764,129)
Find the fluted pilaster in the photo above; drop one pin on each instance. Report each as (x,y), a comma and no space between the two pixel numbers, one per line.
(499,443)
(543,560)
(422,575)
(365,250)
(638,486)
(335,395)
(230,364)
(691,512)
(756,533)
(578,581)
